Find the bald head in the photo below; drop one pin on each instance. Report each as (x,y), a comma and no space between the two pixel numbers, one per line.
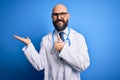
(60,17)
(59,8)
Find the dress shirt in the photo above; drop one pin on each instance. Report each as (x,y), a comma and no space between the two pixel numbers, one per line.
(64,65)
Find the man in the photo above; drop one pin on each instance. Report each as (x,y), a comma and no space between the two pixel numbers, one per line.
(63,54)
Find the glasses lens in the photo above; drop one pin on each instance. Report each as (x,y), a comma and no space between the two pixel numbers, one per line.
(62,14)
(54,15)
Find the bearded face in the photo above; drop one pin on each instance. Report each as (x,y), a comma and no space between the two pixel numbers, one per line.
(60,24)
(60,17)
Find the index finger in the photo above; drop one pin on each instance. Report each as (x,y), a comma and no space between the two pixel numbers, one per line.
(19,38)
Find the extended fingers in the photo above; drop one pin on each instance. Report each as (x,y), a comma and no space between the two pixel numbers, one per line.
(19,38)
(24,40)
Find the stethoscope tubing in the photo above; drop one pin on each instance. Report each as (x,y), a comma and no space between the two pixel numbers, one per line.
(67,39)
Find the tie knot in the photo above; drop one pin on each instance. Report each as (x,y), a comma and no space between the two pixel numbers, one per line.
(61,35)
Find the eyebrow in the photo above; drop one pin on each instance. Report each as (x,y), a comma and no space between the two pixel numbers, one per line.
(60,13)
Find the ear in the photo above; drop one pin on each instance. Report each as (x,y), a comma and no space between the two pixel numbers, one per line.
(68,15)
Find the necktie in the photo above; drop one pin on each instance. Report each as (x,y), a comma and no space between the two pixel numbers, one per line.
(61,35)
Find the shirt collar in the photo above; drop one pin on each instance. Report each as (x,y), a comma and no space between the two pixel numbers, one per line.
(65,31)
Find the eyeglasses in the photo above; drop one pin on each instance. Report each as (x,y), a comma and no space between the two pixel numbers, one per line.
(62,15)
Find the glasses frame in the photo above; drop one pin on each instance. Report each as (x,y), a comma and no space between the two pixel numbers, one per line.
(62,15)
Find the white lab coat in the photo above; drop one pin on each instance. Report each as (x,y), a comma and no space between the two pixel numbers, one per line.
(64,65)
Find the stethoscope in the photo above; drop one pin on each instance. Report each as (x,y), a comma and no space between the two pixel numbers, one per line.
(67,39)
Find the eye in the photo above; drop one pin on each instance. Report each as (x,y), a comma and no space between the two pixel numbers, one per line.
(54,14)
(63,14)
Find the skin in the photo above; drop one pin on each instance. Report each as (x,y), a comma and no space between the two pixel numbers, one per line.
(58,45)
(58,9)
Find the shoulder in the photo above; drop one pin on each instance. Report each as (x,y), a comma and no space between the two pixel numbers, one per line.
(47,37)
(76,34)
(77,38)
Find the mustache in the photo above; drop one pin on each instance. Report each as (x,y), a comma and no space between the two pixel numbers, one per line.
(59,21)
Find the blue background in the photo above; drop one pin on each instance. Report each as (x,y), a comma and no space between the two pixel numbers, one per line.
(97,20)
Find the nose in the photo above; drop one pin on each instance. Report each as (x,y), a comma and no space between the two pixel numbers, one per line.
(58,17)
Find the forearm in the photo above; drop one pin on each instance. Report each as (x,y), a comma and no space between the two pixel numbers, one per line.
(33,57)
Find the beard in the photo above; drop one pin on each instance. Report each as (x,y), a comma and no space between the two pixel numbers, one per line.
(60,27)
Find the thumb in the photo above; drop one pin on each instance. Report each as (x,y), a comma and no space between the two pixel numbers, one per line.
(28,39)
(58,37)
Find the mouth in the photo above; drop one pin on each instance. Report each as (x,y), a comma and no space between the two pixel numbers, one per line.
(59,22)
